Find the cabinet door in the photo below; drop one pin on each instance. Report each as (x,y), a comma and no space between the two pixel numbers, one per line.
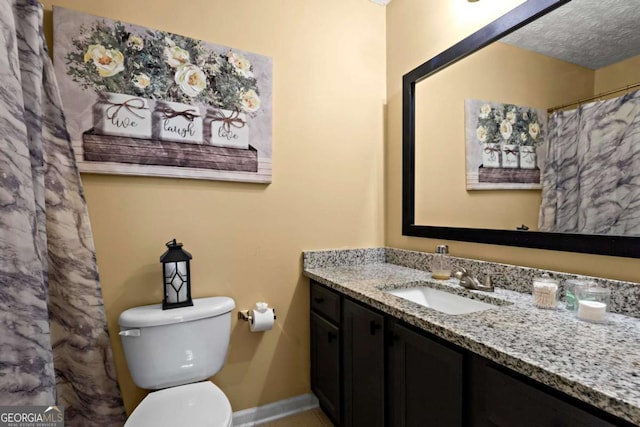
(425,381)
(325,366)
(500,399)
(363,352)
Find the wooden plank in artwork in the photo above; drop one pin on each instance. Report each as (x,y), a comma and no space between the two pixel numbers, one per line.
(121,149)
(509,175)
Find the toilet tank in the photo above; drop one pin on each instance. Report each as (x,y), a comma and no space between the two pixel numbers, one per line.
(165,348)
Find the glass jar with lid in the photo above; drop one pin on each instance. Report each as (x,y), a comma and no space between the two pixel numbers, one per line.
(545,292)
(571,286)
(593,303)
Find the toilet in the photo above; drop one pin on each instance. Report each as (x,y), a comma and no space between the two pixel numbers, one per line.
(174,352)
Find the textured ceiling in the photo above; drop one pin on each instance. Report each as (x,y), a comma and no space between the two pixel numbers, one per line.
(591,33)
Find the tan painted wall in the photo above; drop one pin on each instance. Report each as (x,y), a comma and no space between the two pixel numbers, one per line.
(416,31)
(499,73)
(247,239)
(618,75)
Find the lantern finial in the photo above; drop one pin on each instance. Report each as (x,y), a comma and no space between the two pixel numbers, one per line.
(172,243)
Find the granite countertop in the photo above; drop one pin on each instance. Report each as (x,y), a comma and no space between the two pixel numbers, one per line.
(596,363)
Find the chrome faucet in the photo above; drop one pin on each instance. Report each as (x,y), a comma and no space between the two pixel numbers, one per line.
(470,282)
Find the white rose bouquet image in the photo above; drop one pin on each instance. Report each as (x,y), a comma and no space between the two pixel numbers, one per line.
(528,134)
(488,128)
(528,127)
(509,124)
(162,66)
(488,131)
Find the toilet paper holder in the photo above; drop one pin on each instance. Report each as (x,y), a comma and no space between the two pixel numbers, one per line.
(246,315)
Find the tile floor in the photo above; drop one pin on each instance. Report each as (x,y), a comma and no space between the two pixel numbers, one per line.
(313,418)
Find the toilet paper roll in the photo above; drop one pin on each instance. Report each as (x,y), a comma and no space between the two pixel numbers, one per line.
(262,320)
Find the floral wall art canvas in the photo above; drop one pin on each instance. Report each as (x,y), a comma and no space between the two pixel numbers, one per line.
(140,101)
(505,145)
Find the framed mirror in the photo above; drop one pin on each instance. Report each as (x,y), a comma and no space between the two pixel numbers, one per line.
(515,63)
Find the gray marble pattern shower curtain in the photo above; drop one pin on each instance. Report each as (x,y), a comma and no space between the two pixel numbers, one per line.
(54,343)
(591,183)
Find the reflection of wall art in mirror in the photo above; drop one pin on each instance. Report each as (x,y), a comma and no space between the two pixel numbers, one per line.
(152,93)
(526,13)
(504,145)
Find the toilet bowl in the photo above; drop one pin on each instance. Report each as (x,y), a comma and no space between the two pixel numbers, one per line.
(200,404)
(174,352)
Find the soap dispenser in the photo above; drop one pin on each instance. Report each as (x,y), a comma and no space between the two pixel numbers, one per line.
(441,263)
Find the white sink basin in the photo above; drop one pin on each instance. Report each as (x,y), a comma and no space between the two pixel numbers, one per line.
(442,301)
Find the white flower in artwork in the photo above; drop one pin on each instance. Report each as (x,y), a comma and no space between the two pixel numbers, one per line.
(485,110)
(240,64)
(191,79)
(135,42)
(534,130)
(481,133)
(523,137)
(249,100)
(108,62)
(525,116)
(506,129)
(176,56)
(511,116)
(141,81)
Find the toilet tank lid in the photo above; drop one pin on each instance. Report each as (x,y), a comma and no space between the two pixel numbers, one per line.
(154,315)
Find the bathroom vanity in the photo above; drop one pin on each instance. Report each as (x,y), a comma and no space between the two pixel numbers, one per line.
(379,359)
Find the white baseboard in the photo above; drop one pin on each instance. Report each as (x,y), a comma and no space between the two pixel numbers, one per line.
(273,411)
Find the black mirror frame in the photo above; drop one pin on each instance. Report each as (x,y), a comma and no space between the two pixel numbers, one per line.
(531,10)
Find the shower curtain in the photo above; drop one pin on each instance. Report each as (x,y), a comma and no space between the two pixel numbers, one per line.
(54,344)
(591,183)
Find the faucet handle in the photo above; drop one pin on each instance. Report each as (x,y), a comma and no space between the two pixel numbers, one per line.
(487,280)
(488,284)
(460,273)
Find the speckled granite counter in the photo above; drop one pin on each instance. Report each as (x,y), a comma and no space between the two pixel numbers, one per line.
(596,363)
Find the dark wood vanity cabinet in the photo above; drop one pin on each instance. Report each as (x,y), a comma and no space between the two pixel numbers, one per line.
(370,369)
(424,380)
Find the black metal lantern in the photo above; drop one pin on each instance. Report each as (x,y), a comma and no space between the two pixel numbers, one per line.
(176,276)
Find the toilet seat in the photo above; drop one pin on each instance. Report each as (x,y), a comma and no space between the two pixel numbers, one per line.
(195,405)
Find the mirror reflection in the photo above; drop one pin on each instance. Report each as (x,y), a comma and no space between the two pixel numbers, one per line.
(540,129)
